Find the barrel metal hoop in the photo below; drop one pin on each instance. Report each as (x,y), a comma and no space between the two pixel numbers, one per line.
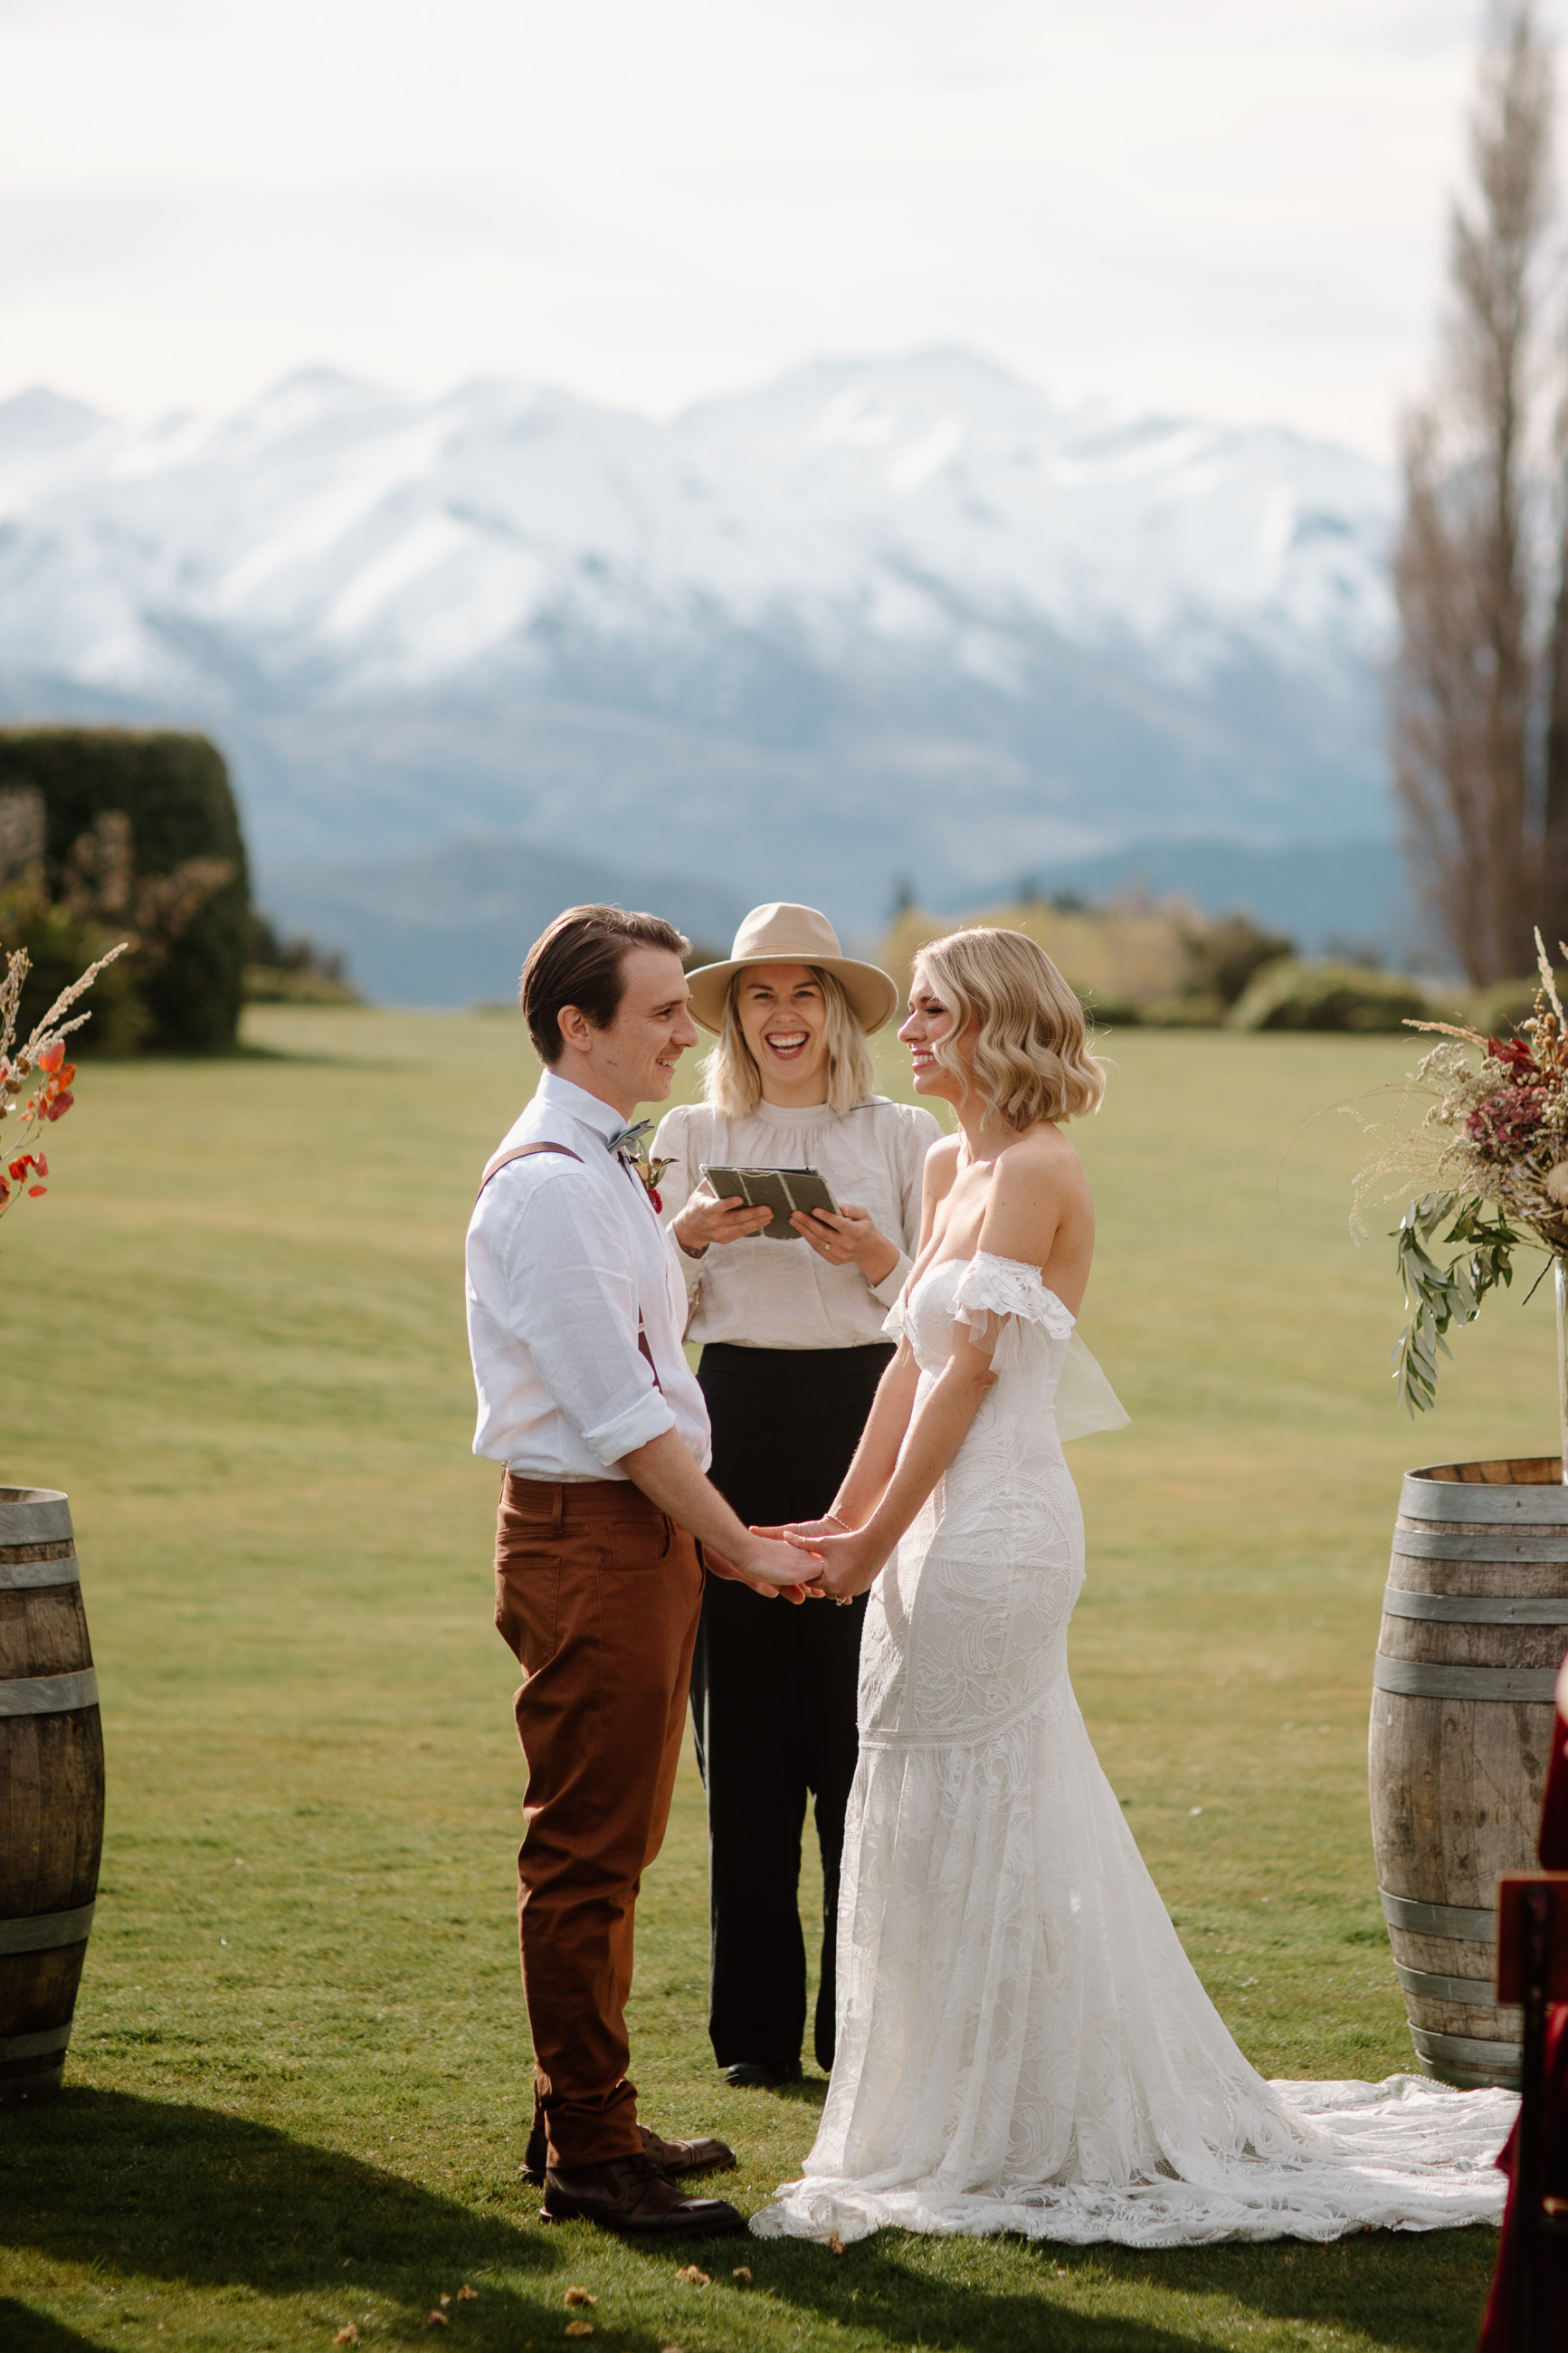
(1548,1547)
(1480,1500)
(44,1932)
(34,2046)
(1466,2050)
(1470,1925)
(1477,1609)
(1429,1679)
(20,1576)
(42,1518)
(48,1694)
(1427,1985)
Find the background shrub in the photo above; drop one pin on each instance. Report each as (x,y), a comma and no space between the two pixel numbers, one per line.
(140,836)
(1292,995)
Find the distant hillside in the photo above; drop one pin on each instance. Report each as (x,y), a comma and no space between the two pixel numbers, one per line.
(907,616)
(452,925)
(1349,895)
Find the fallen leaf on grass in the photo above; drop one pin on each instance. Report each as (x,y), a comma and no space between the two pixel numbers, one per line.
(446,2300)
(835,2244)
(741,2271)
(579,2328)
(691,2276)
(466,2294)
(347,2334)
(437,2319)
(580,2296)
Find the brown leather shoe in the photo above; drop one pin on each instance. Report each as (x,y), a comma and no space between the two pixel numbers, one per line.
(669,2156)
(687,2156)
(630,2195)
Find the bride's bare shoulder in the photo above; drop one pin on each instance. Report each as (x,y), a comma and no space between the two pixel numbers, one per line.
(1038,1193)
(942,1166)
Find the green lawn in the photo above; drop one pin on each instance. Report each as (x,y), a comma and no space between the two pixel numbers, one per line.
(299,2085)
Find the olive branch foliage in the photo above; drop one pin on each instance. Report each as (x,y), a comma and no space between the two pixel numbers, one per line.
(1436,1296)
(1488,1167)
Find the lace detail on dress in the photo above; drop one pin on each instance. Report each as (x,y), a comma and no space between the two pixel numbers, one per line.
(1009,1286)
(1022,2042)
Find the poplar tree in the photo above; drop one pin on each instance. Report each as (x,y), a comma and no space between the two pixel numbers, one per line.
(1472,664)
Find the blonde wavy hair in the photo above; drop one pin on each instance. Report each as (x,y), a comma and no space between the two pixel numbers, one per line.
(733,1083)
(1031,1057)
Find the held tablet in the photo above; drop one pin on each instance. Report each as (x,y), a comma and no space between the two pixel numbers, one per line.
(782,1190)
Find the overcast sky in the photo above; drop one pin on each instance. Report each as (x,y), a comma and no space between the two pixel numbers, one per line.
(1230,207)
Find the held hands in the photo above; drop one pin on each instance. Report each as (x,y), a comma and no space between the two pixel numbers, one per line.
(851,1558)
(771,1568)
(705,1220)
(851,1235)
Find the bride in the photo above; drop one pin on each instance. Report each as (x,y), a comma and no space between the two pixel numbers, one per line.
(1022,2043)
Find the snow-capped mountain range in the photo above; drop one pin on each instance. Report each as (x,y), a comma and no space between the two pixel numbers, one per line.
(903,616)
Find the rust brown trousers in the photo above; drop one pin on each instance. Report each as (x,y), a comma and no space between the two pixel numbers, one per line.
(599,1594)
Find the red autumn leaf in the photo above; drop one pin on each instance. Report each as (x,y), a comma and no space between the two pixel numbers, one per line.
(52,1056)
(61,1105)
(36,1189)
(67,1074)
(42,1165)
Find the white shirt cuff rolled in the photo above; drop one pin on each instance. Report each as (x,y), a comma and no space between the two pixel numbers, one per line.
(888,1289)
(649,1419)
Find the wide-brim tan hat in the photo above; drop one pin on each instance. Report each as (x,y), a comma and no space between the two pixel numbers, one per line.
(782,933)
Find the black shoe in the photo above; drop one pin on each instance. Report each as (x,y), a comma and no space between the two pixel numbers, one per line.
(631,2196)
(754,2074)
(671,2157)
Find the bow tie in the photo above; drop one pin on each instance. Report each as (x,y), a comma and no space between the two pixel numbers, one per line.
(626,1140)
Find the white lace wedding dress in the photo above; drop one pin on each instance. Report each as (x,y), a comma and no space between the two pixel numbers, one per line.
(1023,2045)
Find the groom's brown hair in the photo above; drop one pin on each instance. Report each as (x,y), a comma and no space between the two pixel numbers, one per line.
(580,961)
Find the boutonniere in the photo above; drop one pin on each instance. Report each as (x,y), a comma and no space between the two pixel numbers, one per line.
(630,1146)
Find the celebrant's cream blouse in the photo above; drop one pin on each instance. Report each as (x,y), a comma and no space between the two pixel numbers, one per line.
(772,1294)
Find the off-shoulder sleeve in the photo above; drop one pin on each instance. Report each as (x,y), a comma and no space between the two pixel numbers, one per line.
(991,1289)
(893,1325)
(999,1299)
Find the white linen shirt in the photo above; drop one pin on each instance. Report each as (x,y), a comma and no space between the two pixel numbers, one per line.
(563,1256)
(761,1293)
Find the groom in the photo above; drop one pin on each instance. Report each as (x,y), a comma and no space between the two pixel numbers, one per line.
(576,1310)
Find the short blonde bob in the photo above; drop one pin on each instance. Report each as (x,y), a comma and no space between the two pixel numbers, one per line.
(1031,1057)
(733,1083)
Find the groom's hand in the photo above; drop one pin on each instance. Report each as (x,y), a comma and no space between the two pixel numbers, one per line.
(771,1568)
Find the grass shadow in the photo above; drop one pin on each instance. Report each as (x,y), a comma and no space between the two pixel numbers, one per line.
(23,2330)
(1411,2293)
(169,2191)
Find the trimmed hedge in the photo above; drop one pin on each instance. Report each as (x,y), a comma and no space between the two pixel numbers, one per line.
(175,790)
(1288,995)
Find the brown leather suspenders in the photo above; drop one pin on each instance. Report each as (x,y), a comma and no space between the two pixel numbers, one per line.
(500,1160)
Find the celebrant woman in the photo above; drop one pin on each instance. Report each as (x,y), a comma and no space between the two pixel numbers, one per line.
(793,1348)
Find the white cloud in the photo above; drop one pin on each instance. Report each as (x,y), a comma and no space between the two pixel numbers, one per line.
(1211,204)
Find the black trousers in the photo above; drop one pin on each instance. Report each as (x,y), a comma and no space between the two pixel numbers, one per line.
(772,1695)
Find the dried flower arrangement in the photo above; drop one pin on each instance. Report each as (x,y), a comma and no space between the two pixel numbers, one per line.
(40,1065)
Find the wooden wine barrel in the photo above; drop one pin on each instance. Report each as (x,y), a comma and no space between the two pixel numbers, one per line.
(51,1789)
(1475,1623)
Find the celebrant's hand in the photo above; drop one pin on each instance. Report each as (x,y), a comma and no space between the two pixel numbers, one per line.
(705,1220)
(850,1564)
(851,1236)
